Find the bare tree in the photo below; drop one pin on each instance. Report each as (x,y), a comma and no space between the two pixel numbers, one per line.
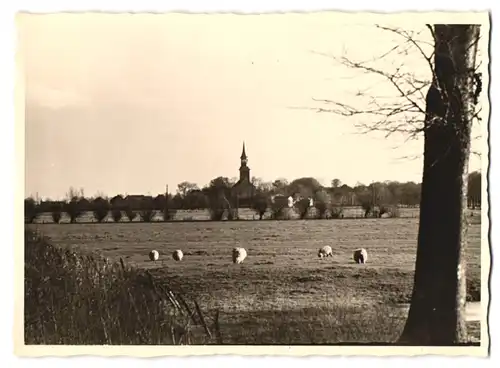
(444,115)
(185,187)
(73,205)
(336,183)
(100,209)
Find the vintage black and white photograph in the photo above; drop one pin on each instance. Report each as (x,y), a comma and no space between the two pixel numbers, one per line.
(284,179)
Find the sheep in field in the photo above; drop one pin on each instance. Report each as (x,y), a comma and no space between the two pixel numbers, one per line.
(154,255)
(177,255)
(360,255)
(326,251)
(239,254)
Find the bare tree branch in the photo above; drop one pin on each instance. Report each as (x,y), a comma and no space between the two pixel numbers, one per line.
(409,38)
(404,112)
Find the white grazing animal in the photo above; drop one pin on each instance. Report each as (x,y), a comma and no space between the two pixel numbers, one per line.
(325,251)
(360,255)
(154,255)
(177,255)
(239,254)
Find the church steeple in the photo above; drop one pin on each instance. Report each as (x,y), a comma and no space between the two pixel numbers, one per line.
(243,153)
(244,169)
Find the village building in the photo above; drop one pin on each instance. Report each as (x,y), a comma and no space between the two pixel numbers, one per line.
(243,191)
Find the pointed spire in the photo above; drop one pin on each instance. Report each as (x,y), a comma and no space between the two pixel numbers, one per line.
(243,154)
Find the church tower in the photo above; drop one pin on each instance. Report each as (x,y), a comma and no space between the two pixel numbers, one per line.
(243,190)
(244,169)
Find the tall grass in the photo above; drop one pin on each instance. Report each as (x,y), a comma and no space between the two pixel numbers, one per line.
(78,300)
(335,324)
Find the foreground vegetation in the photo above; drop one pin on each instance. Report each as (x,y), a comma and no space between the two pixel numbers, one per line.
(282,293)
(86,299)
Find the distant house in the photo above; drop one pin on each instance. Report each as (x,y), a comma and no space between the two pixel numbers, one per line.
(291,200)
(243,190)
(283,201)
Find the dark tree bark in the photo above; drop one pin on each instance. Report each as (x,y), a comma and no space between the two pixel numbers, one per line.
(436,315)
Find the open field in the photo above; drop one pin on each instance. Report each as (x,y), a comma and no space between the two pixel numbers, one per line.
(282,289)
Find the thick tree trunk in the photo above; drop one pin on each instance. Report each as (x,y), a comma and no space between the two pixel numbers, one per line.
(436,315)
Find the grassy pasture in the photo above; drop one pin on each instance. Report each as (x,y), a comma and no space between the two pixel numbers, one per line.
(283,293)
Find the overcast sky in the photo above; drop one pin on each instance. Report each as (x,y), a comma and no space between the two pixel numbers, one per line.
(112,98)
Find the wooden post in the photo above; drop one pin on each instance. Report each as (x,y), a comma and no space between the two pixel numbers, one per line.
(165,211)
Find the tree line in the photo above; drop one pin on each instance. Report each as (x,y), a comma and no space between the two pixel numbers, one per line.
(376,199)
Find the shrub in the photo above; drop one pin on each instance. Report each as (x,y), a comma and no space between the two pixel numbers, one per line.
(322,203)
(73,209)
(367,206)
(217,206)
(116,215)
(280,211)
(302,207)
(130,214)
(147,215)
(101,209)
(56,215)
(321,209)
(56,211)
(337,212)
(72,299)
(31,210)
(216,214)
(260,204)
(391,211)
